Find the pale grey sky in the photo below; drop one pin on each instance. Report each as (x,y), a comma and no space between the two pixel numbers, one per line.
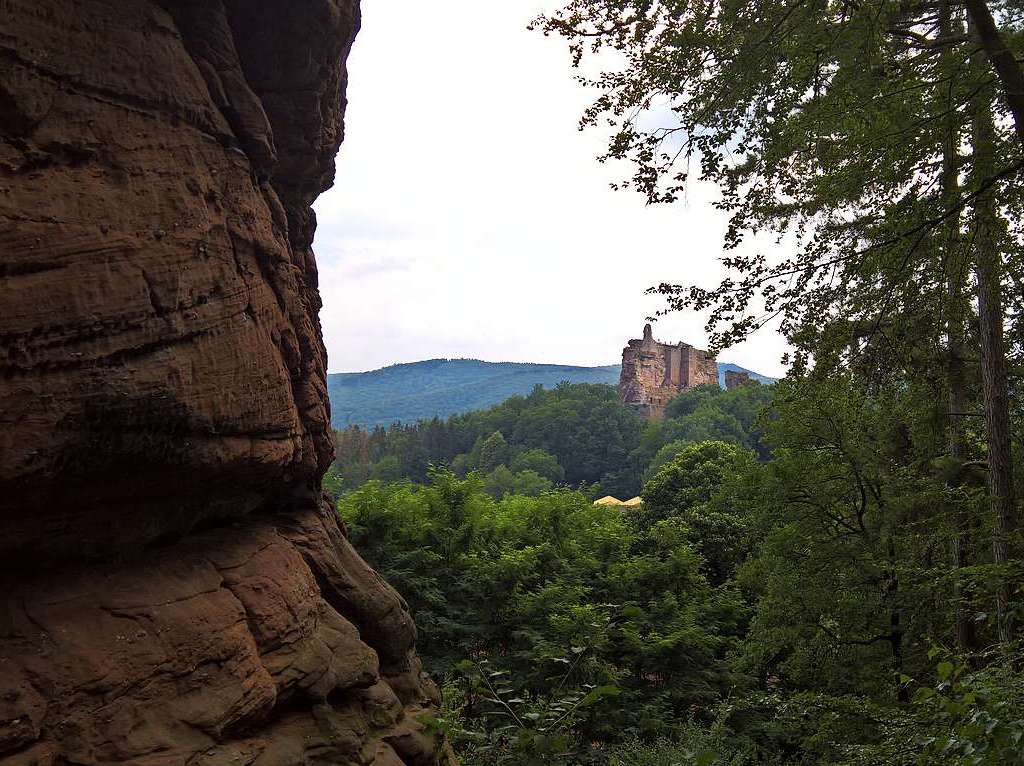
(470,218)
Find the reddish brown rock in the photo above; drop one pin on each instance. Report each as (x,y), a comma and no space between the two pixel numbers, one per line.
(654,372)
(175,587)
(737,378)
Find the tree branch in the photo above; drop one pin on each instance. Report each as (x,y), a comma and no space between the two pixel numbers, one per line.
(1005,64)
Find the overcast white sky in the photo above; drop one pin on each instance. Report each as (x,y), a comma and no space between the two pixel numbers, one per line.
(470,218)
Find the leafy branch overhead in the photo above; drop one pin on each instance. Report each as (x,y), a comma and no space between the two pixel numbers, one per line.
(822,122)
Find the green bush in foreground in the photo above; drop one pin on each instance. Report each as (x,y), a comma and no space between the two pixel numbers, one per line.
(527,583)
(749,613)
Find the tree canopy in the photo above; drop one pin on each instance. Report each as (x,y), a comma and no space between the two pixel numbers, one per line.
(573,435)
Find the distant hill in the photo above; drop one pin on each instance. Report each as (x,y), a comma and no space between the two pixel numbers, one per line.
(405,393)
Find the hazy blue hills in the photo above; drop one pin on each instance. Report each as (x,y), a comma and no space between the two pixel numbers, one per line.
(405,393)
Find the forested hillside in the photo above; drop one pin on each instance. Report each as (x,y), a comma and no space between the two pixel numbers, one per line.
(575,435)
(406,393)
(780,596)
(826,571)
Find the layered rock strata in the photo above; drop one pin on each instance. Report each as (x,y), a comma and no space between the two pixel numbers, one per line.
(175,588)
(654,372)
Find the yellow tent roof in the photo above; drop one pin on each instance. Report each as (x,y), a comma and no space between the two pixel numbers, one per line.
(609,500)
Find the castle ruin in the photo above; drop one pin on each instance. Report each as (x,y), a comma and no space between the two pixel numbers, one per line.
(654,372)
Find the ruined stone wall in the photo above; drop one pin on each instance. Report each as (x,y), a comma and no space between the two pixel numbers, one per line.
(654,372)
(176,589)
(702,368)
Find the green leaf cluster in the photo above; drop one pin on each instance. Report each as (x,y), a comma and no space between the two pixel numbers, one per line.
(540,585)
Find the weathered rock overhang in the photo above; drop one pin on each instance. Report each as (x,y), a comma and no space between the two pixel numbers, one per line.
(176,589)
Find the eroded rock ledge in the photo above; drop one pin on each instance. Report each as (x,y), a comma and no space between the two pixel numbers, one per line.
(175,589)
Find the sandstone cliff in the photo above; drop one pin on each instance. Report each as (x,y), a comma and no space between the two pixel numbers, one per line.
(175,588)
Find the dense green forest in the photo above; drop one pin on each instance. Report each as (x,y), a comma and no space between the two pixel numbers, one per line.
(794,609)
(837,580)
(576,435)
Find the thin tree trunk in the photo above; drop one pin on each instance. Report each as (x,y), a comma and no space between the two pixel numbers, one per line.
(895,624)
(1007,69)
(955,273)
(988,270)
(964,629)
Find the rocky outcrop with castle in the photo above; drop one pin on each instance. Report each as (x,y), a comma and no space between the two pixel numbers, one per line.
(654,372)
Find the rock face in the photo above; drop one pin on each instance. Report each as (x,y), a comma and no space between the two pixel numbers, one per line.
(176,589)
(737,378)
(654,372)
